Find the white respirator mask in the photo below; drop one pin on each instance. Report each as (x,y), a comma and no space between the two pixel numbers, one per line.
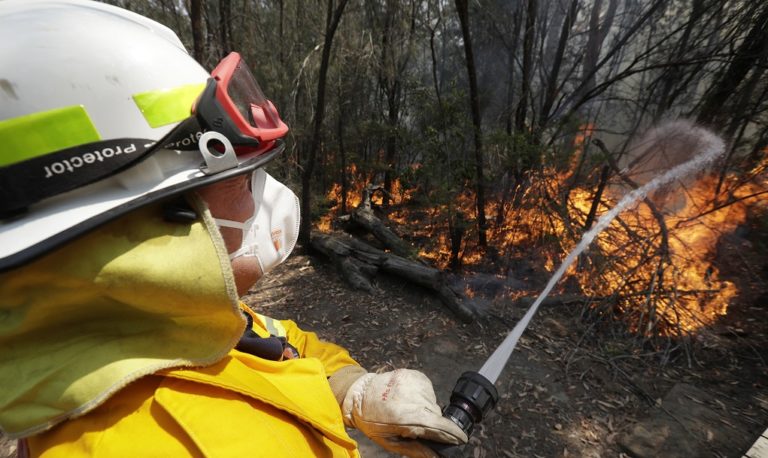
(271,233)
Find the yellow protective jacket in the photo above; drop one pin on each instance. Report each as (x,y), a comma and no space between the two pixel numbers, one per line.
(120,343)
(241,406)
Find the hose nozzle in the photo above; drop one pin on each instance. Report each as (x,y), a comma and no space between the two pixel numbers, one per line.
(471,399)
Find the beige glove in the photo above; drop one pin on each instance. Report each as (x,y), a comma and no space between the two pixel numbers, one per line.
(396,407)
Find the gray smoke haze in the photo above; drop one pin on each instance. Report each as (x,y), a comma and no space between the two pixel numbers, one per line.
(662,148)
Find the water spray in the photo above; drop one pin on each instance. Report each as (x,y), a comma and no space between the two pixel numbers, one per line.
(475,393)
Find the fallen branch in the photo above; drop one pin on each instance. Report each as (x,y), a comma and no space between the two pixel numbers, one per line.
(359,263)
(363,217)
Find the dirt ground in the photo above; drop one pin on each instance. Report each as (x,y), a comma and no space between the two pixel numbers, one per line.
(564,393)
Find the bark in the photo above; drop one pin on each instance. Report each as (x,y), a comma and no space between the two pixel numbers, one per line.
(456,229)
(511,53)
(225,21)
(343,154)
(333,17)
(363,217)
(396,52)
(360,262)
(196,17)
(604,175)
(741,120)
(551,89)
(433,55)
(462,8)
(281,32)
(597,34)
(530,32)
(760,149)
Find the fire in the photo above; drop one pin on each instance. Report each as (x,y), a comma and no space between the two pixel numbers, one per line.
(657,280)
(683,284)
(357,184)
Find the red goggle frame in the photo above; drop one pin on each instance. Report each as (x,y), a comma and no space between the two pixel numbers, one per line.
(233,104)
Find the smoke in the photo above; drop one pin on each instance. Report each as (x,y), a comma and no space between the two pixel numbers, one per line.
(663,147)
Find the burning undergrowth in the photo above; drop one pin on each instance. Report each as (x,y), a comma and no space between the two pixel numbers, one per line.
(654,268)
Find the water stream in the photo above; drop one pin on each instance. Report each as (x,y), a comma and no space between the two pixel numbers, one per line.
(715,147)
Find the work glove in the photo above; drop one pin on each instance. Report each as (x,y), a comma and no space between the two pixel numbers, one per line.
(395,408)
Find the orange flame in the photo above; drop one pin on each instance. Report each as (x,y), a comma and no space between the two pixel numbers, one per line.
(681,289)
(358,182)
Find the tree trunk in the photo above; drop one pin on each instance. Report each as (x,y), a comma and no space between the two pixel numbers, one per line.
(551,89)
(604,175)
(363,217)
(760,149)
(196,17)
(333,17)
(528,38)
(597,34)
(225,21)
(511,55)
(343,154)
(743,119)
(456,229)
(463,10)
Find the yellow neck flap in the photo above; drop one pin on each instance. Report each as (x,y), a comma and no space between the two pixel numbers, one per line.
(137,295)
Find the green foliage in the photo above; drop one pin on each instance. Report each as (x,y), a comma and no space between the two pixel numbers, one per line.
(511,152)
(443,142)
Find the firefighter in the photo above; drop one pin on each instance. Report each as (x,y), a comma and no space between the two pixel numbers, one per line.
(135,211)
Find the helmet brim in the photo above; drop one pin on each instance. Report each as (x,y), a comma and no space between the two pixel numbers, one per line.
(58,220)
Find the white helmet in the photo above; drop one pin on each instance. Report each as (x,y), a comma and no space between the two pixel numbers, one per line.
(96,120)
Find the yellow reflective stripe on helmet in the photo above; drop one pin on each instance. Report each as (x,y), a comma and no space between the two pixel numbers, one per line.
(41,133)
(165,106)
(274,327)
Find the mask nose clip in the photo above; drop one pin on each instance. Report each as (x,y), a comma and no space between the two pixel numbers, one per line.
(216,162)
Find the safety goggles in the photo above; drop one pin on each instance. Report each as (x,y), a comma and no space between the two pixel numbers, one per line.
(233,104)
(231,108)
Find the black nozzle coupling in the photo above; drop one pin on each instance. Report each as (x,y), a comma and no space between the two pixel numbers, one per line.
(471,399)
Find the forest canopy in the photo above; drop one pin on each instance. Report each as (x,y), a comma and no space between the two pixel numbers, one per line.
(500,128)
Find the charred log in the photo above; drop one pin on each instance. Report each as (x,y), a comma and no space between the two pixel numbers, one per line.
(363,218)
(359,263)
